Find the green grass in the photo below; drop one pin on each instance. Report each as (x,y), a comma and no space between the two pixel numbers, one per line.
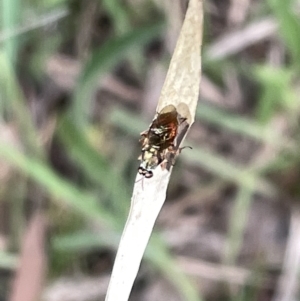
(101,61)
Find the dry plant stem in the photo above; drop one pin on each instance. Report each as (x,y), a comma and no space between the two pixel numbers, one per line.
(289,281)
(28,282)
(145,206)
(219,272)
(237,41)
(238,11)
(181,89)
(183,77)
(76,289)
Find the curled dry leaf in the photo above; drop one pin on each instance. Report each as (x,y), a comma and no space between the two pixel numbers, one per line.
(181,87)
(180,91)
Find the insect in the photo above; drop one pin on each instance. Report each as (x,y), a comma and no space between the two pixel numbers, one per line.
(158,140)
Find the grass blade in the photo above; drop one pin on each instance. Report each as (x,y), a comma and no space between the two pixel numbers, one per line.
(10,16)
(79,200)
(101,61)
(289,25)
(94,165)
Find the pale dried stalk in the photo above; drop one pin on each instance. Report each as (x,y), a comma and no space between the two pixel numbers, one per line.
(288,288)
(234,42)
(181,89)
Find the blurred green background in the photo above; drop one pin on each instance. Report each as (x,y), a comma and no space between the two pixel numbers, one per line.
(79,80)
